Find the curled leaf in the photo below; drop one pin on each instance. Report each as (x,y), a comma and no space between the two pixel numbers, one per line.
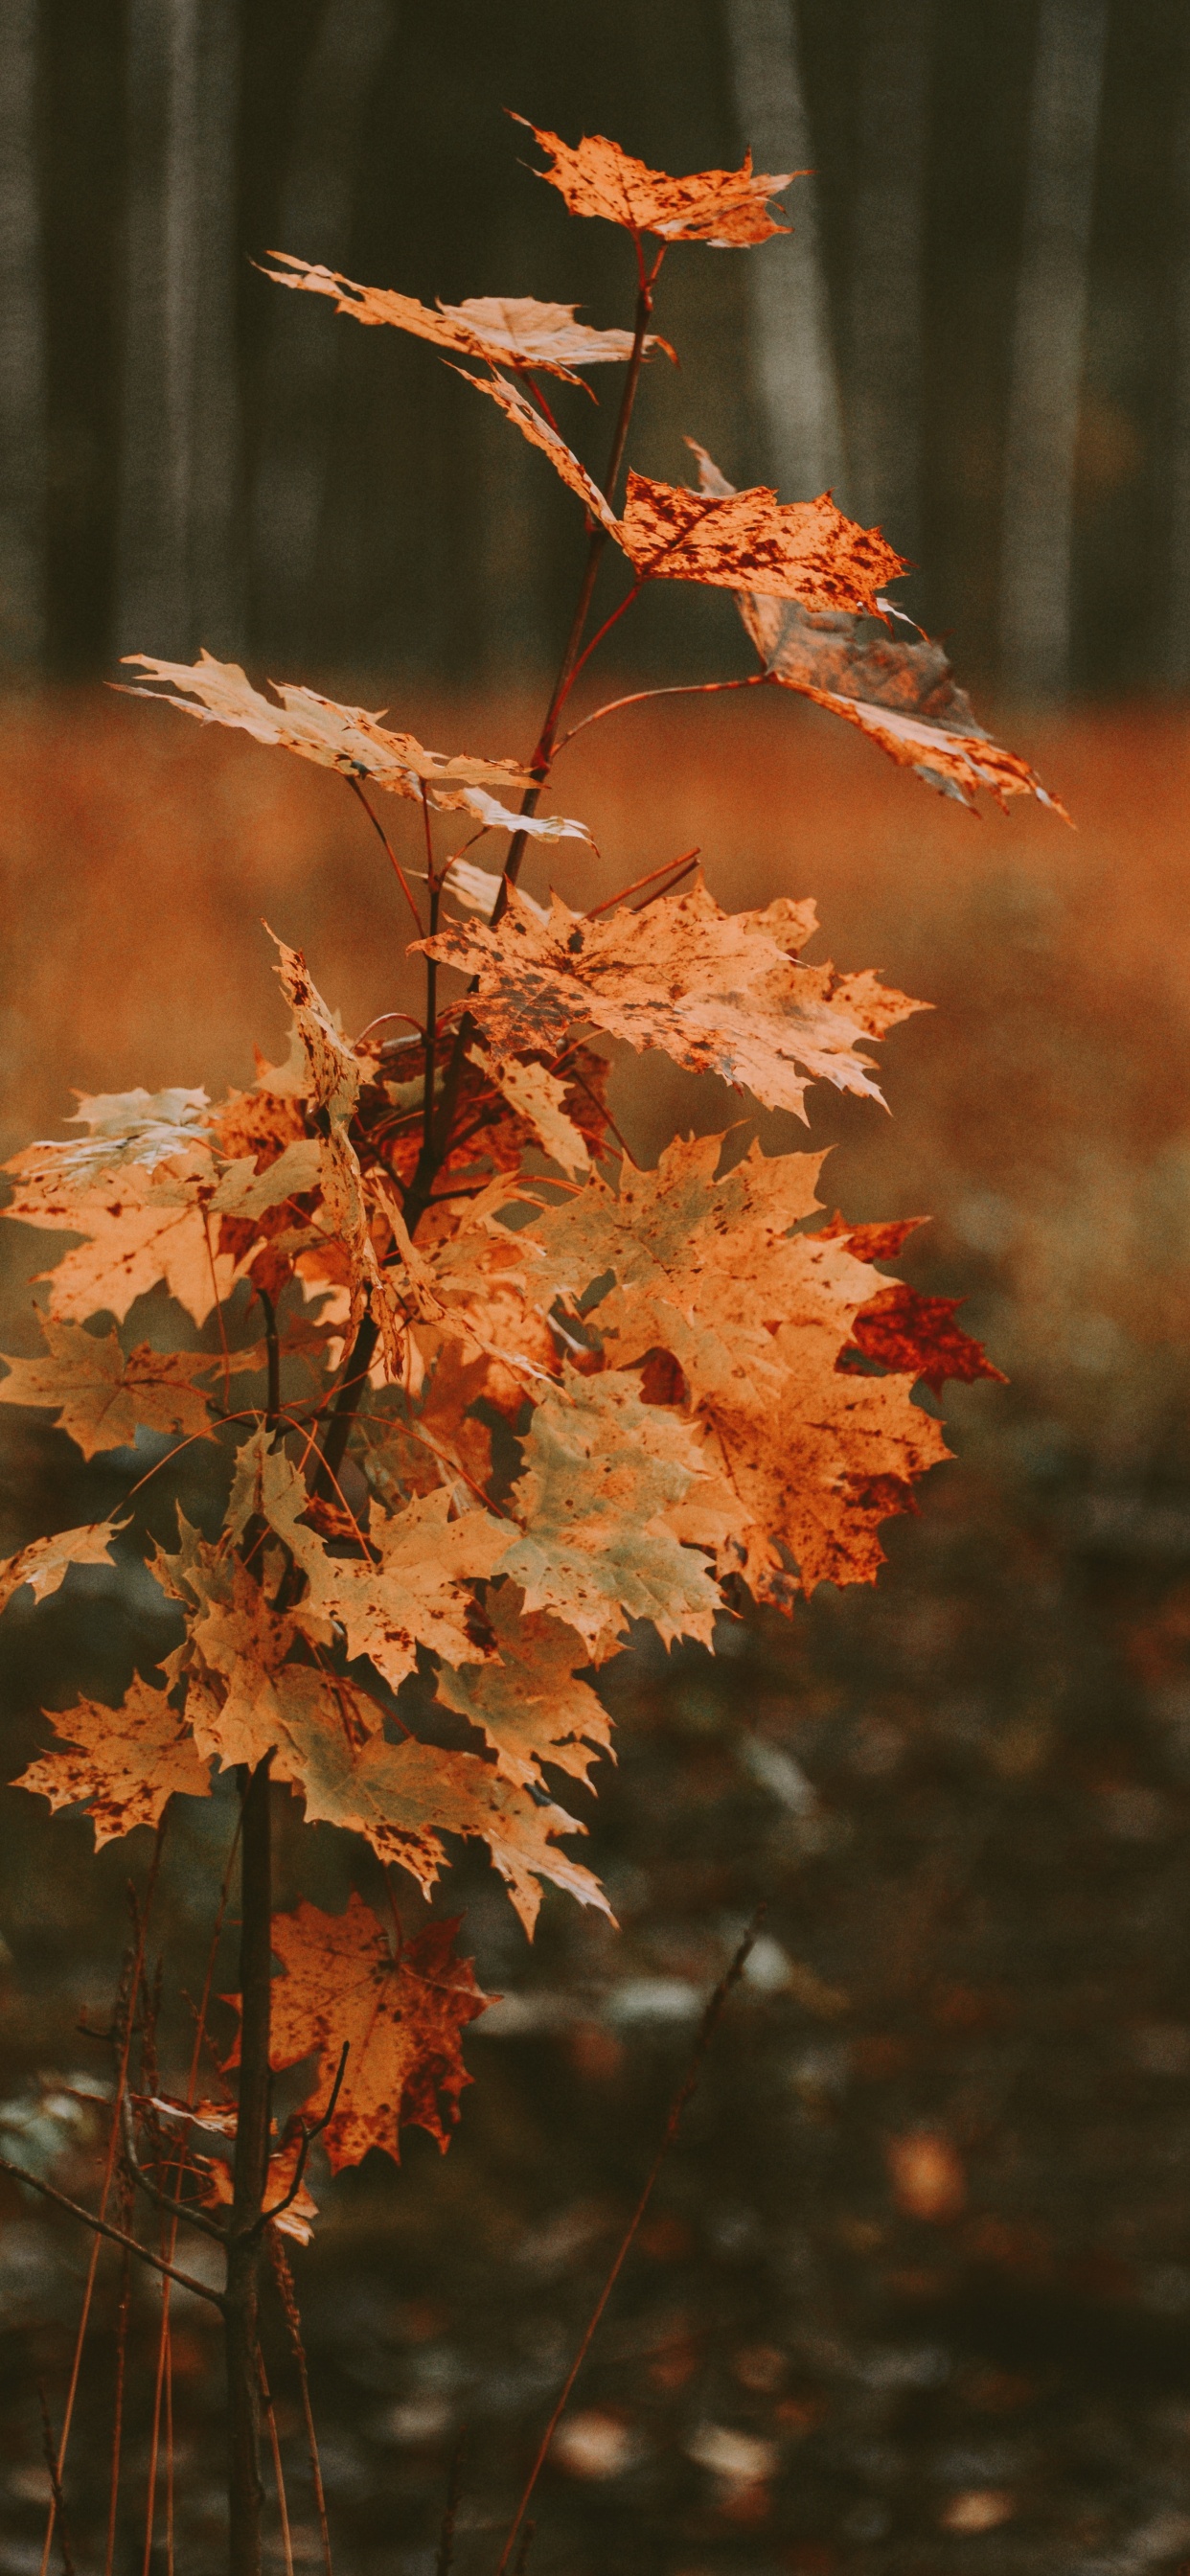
(727,208)
(506,330)
(799,550)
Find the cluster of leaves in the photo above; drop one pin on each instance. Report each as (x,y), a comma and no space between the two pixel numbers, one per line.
(506,1392)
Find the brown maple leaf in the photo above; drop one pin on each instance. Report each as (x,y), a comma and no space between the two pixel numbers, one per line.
(718,992)
(798,550)
(142,1224)
(527,1699)
(539,1098)
(903,695)
(917,1337)
(506,330)
(45,1562)
(348,739)
(402,2018)
(727,208)
(122,1764)
(102,1399)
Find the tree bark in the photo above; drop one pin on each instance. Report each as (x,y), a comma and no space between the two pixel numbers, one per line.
(1047,356)
(302,349)
(884,370)
(792,352)
(22,348)
(178,537)
(249,2180)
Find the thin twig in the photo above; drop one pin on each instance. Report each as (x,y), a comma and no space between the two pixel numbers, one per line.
(161,2199)
(528,2537)
(636,698)
(108,2175)
(378,827)
(116,2235)
(109,2556)
(610,901)
(266,2399)
(285,2291)
(446,2538)
(682,2096)
(309,2133)
(51,2461)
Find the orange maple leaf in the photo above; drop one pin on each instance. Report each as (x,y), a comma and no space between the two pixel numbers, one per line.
(348,739)
(904,696)
(719,992)
(541,433)
(45,1562)
(506,330)
(402,2017)
(727,208)
(103,1399)
(122,1764)
(798,550)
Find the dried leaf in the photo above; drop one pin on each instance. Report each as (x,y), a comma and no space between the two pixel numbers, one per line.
(799,550)
(141,1225)
(122,1764)
(528,1700)
(401,2017)
(917,1337)
(103,1399)
(727,208)
(537,1095)
(904,696)
(506,330)
(602,1473)
(801,1462)
(717,992)
(45,1562)
(541,433)
(413,1591)
(348,739)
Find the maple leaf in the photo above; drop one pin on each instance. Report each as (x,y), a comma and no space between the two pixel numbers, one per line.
(918,1337)
(726,208)
(506,330)
(141,1224)
(402,2018)
(214,2173)
(45,1562)
(348,739)
(538,1097)
(528,1700)
(103,1399)
(541,433)
(147,1127)
(801,1462)
(718,992)
(413,1589)
(903,696)
(602,1472)
(122,1764)
(798,550)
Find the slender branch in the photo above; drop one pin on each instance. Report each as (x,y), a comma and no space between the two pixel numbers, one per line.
(543,754)
(378,827)
(103,2227)
(309,2133)
(273,1347)
(682,865)
(706,2033)
(636,698)
(596,640)
(285,2291)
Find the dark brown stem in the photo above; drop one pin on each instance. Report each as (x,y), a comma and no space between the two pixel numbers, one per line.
(284,2280)
(273,1347)
(677,2106)
(544,752)
(113,2499)
(245,2494)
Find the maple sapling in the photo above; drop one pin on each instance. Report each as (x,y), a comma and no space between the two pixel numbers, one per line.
(392,1249)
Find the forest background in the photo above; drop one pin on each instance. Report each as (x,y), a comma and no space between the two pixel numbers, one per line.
(965,1796)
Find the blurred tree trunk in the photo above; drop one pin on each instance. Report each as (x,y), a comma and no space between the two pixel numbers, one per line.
(178,576)
(1177,641)
(1047,356)
(22,352)
(792,354)
(302,349)
(884,369)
